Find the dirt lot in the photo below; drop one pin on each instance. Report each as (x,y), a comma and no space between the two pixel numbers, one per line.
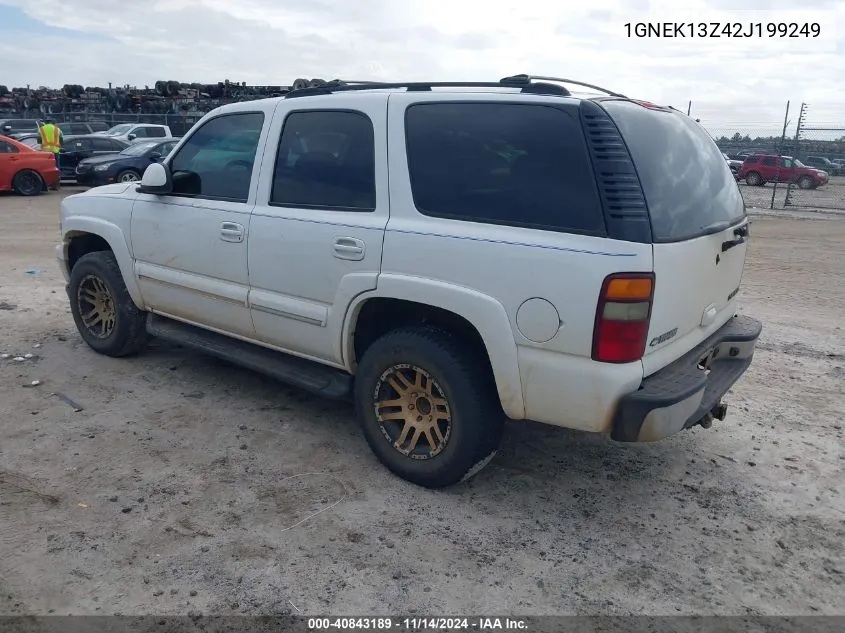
(187,485)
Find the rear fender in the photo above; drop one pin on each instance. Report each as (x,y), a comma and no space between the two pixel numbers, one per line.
(482,311)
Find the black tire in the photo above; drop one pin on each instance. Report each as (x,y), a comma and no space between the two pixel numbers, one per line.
(805,182)
(27,183)
(463,379)
(128,175)
(754,179)
(120,330)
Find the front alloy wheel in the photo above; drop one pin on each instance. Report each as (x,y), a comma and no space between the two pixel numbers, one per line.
(96,307)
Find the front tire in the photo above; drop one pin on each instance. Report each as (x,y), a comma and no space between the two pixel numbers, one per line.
(105,315)
(428,406)
(805,182)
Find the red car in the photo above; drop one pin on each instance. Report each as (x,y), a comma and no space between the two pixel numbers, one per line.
(24,170)
(759,169)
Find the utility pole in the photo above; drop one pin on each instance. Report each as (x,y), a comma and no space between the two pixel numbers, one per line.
(780,151)
(788,200)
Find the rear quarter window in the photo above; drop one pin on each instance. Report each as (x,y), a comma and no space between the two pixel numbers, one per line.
(502,163)
(687,184)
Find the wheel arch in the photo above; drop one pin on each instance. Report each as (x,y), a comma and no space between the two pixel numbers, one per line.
(88,235)
(446,304)
(30,169)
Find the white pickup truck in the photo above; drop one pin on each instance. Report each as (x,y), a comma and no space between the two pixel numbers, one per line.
(448,255)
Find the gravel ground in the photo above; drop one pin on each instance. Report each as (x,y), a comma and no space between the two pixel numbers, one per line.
(186,485)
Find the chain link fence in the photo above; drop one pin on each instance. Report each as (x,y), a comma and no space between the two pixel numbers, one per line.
(797,150)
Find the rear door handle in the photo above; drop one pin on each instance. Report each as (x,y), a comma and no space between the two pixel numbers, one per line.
(349,248)
(231,232)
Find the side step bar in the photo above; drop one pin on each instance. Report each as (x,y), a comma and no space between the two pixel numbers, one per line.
(305,374)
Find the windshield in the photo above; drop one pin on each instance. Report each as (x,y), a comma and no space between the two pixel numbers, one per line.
(798,163)
(119,129)
(688,186)
(138,149)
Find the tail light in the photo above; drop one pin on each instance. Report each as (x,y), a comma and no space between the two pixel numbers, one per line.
(622,317)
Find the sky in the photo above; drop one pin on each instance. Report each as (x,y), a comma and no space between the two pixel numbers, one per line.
(735,84)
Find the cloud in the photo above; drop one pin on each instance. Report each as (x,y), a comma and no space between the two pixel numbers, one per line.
(275,41)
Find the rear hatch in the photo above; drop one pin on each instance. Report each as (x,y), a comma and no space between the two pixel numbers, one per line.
(698,223)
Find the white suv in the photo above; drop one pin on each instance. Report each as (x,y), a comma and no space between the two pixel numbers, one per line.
(450,255)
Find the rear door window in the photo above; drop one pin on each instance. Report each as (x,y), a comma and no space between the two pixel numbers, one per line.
(502,163)
(770,161)
(687,184)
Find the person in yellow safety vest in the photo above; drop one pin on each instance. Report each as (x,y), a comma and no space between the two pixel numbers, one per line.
(51,139)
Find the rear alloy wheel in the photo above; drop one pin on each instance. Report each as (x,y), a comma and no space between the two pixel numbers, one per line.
(27,183)
(129,175)
(754,179)
(805,182)
(428,406)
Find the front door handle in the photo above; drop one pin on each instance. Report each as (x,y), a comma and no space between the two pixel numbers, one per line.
(349,248)
(231,232)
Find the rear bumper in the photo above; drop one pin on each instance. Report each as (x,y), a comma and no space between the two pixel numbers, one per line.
(682,394)
(51,177)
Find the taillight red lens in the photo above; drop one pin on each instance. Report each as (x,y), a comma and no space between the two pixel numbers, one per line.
(622,317)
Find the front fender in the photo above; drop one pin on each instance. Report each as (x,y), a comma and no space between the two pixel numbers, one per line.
(75,225)
(482,311)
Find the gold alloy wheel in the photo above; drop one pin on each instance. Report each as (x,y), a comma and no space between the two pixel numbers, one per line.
(412,411)
(96,306)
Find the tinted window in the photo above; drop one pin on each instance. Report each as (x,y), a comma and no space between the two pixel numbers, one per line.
(154,132)
(105,145)
(76,128)
(752,160)
(216,161)
(165,148)
(7,148)
(98,126)
(139,132)
(77,145)
(326,160)
(139,149)
(523,165)
(687,184)
(770,161)
(785,162)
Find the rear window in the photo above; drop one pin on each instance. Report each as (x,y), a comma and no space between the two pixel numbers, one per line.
(687,184)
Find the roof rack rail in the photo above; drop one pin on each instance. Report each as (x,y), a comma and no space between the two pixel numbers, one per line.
(527,79)
(339,85)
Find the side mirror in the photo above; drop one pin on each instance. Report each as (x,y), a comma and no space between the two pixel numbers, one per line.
(7,128)
(156,180)
(131,137)
(155,157)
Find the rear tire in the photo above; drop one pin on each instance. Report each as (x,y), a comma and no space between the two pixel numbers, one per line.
(754,179)
(105,315)
(27,183)
(428,406)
